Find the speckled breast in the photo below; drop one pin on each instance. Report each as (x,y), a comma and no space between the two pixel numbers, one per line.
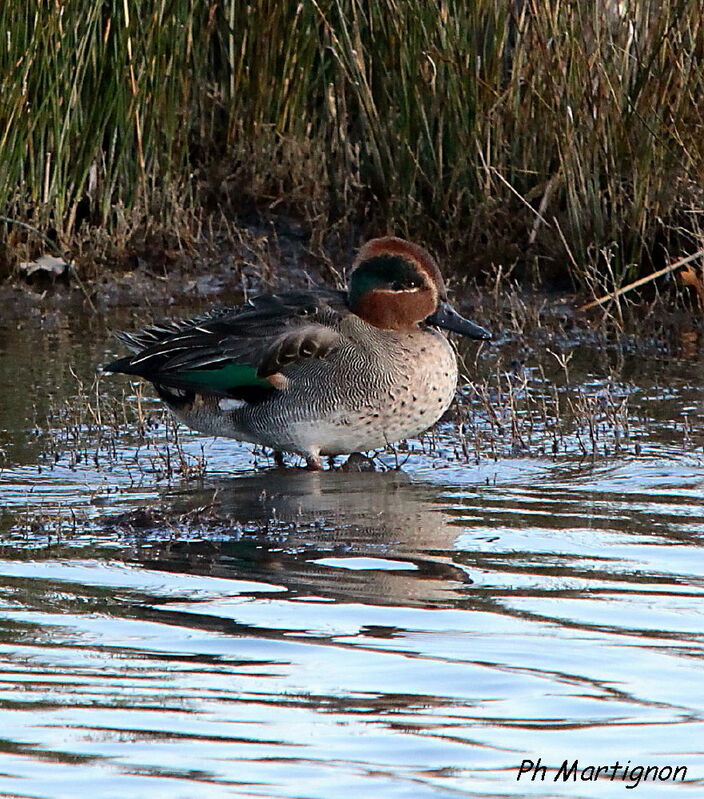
(380,387)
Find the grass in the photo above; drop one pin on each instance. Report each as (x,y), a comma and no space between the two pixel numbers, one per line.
(98,431)
(546,394)
(559,137)
(507,410)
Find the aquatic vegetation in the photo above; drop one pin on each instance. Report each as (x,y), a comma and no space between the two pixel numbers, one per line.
(545,390)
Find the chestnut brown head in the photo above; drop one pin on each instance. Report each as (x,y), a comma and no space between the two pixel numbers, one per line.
(397,285)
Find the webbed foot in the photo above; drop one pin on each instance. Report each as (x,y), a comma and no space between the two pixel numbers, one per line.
(358,463)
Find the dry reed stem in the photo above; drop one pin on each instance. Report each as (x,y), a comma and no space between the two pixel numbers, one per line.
(642,281)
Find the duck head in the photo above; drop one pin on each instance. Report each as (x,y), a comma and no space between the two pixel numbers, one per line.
(396,285)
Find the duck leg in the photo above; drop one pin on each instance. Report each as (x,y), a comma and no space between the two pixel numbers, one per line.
(357,462)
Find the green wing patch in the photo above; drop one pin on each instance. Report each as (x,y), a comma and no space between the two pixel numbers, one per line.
(232,375)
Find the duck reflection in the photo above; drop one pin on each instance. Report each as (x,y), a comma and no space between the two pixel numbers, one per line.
(372,537)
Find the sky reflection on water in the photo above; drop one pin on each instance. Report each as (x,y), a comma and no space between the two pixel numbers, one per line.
(400,634)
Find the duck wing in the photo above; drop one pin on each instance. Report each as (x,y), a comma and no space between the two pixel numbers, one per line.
(237,352)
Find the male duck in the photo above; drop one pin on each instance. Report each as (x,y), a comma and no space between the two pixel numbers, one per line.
(315,372)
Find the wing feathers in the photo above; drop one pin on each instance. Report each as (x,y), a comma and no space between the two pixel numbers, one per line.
(266,334)
(311,341)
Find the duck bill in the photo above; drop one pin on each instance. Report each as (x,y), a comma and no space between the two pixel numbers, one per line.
(447,318)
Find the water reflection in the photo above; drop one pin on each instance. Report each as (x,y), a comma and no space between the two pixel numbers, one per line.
(401,634)
(363,537)
(474,627)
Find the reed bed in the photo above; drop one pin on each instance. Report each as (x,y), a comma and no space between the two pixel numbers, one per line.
(560,135)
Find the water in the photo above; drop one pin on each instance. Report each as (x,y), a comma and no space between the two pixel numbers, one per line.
(418,633)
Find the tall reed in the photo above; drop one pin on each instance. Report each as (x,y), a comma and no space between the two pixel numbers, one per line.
(501,130)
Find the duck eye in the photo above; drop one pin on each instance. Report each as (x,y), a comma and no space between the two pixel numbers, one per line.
(397,286)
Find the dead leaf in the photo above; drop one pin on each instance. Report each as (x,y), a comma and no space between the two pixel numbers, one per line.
(46,266)
(693,277)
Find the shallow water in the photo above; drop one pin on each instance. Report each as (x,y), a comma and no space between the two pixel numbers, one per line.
(531,589)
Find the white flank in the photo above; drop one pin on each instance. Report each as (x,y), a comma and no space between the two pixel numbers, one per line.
(231,404)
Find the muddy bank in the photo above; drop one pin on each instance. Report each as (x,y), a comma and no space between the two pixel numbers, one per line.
(166,283)
(258,258)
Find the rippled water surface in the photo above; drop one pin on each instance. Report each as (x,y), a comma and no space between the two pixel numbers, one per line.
(528,585)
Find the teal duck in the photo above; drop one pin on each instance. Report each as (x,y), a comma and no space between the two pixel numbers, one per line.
(319,372)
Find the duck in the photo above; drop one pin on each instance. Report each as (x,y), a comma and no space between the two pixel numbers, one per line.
(314,373)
